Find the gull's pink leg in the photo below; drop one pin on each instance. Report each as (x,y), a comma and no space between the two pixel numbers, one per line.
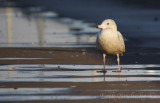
(104,60)
(119,68)
(118,60)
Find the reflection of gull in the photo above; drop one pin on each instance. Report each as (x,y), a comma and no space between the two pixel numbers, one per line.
(110,41)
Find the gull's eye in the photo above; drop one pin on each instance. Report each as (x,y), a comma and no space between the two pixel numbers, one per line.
(107,23)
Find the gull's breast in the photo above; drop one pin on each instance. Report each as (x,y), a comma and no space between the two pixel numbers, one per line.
(110,42)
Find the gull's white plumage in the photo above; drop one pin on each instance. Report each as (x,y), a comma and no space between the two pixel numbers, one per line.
(110,41)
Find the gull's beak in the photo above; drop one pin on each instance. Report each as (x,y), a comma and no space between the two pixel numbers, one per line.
(99,26)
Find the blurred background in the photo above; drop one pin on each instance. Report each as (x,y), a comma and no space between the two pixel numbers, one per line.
(73,22)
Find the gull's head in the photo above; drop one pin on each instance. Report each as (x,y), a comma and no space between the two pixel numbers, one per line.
(108,23)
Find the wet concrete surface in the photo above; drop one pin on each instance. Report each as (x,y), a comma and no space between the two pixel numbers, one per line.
(45,58)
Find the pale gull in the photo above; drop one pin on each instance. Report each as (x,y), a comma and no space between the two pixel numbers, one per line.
(110,41)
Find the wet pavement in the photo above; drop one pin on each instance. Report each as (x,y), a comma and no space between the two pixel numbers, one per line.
(47,74)
(46,58)
(59,83)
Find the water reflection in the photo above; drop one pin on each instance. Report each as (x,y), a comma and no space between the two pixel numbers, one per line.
(79,73)
(104,76)
(9,24)
(29,27)
(10,72)
(40,28)
(151,71)
(72,73)
(34,90)
(74,97)
(101,73)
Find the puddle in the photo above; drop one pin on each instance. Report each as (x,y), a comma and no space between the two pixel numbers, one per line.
(31,91)
(75,97)
(48,98)
(81,67)
(77,73)
(131,96)
(143,90)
